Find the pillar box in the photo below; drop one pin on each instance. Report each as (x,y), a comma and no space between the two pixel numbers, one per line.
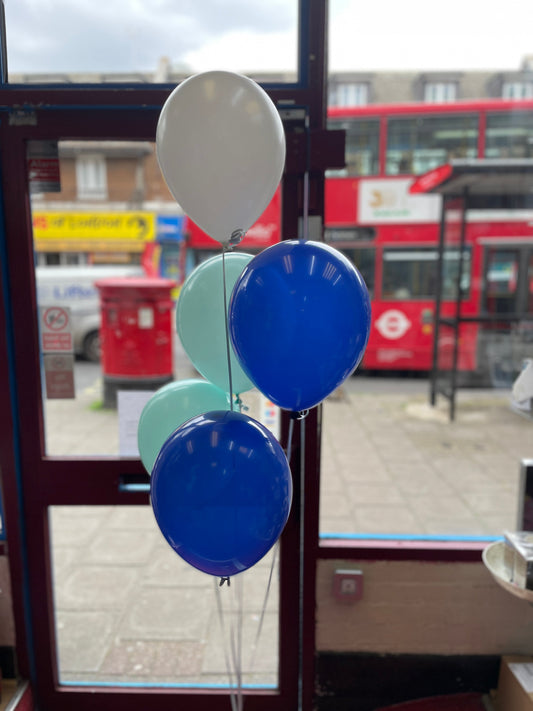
(135,334)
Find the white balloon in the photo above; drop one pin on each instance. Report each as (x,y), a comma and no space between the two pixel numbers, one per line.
(221,148)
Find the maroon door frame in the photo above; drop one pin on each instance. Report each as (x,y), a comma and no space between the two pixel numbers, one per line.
(50,481)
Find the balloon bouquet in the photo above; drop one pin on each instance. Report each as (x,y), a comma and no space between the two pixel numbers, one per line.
(296,325)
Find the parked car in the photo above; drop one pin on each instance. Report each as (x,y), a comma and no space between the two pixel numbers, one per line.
(74,287)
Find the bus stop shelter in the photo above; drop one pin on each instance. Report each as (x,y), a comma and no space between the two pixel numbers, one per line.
(467,185)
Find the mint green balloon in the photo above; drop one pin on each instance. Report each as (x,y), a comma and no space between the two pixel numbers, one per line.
(201,324)
(169,408)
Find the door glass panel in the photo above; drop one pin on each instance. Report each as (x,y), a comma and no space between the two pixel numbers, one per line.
(149,41)
(129,611)
(103,212)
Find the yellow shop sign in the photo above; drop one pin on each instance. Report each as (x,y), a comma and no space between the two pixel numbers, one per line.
(89,226)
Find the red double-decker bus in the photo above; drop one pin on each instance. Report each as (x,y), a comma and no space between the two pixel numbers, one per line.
(392,235)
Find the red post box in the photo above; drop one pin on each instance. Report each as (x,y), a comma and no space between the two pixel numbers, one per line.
(135,334)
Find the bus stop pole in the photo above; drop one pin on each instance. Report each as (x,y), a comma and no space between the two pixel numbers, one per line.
(438,300)
(459,297)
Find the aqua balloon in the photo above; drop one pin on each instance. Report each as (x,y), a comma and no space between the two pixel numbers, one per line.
(201,323)
(170,407)
(221,492)
(299,320)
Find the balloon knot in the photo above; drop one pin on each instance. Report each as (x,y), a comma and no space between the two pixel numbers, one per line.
(301,415)
(239,403)
(236,237)
(224,580)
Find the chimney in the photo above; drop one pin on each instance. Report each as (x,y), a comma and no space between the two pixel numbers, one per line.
(162,72)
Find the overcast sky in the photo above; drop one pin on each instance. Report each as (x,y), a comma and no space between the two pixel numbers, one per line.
(253,35)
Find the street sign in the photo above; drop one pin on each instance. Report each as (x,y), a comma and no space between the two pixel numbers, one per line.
(56,330)
(59,375)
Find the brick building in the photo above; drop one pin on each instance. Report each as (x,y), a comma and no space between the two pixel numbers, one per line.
(123,178)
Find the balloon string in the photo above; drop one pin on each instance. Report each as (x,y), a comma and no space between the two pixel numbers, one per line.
(236,640)
(226,657)
(289,440)
(263,609)
(305,228)
(301,566)
(228,352)
(306,207)
(294,416)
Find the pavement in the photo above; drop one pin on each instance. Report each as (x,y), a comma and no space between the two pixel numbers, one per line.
(129,610)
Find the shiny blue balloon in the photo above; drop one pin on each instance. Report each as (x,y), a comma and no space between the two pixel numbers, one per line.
(221,491)
(299,321)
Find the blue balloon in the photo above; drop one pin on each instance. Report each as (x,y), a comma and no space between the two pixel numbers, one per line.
(171,406)
(221,491)
(299,321)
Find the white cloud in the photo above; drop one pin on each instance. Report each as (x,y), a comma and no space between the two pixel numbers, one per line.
(460,34)
(246,51)
(254,35)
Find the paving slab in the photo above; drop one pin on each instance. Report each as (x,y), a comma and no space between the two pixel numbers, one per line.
(129,610)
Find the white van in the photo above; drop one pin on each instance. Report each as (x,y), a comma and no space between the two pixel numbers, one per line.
(74,287)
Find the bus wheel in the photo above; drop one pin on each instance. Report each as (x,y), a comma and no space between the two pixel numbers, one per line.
(91,346)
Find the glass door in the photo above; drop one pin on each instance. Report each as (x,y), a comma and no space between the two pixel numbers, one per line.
(114,612)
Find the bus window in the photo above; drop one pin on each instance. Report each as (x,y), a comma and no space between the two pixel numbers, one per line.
(364,259)
(501,281)
(509,135)
(416,145)
(362,146)
(412,274)
(450,271)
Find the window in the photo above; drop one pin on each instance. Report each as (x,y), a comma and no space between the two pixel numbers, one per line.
(501,281)
(91,177)
(517,90)
(415,145)
(61,258)
(349,94)
(412,273)
(509,135)
(440,92)
(362,146)
(146,51)
(364,259)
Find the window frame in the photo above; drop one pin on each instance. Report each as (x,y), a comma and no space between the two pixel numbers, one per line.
(440,92)
(349,93)
(413,125)
(49,111)
(91,176)
(517,89)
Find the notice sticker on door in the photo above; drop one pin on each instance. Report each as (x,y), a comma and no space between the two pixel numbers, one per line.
(43,167)
(59,376)
(56,330)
